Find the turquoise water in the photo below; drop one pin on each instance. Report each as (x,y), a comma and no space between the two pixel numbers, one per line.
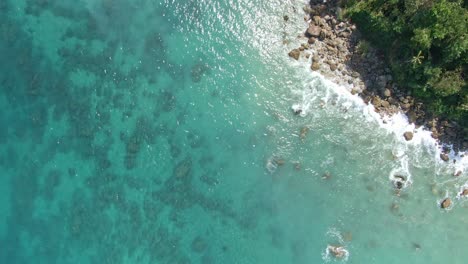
(162,132)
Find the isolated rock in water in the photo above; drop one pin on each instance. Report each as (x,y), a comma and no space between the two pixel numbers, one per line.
(337,251)
(399,181)
(313,31)
(295,53)
(444,157)
(297,109)
(464,192)
(446,203)
(457,173)
(408,135)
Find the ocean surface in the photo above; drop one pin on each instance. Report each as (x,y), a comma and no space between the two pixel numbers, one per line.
(162,131)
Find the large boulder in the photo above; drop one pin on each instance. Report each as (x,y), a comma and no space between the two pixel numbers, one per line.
(313,31)
(295,53)
(408,135)
(464,192)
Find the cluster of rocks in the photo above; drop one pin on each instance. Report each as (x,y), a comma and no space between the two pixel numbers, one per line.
(338,52)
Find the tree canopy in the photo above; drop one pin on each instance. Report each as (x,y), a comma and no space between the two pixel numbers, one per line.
(426,45)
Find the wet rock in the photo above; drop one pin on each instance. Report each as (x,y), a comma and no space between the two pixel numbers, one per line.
(408,135)
(315,66)
(457,173)
(444,157)
(399,181)
(446,203)
(464,192)
(313,31)
(297,110)
(295,53)
(337,251)
(285,18)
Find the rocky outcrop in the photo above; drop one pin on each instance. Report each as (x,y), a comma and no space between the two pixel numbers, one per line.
(339,53)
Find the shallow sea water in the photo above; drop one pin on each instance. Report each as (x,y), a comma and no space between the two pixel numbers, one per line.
(162,132)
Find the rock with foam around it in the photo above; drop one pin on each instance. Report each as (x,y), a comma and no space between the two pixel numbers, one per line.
(446,203)
(408,135)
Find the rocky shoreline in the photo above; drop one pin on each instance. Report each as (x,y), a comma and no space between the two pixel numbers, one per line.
(342,55)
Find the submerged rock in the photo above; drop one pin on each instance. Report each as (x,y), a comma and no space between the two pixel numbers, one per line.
(446,203)
(279,161)
(199,244)
(408,135)
(303,132)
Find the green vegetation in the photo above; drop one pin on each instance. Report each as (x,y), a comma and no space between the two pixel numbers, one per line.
(426,45)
